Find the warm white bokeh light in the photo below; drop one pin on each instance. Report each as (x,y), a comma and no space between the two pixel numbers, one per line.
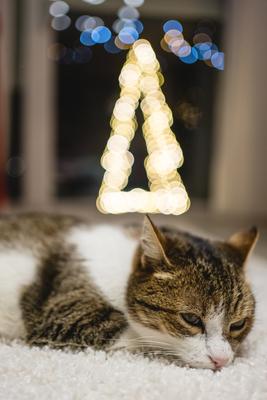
(140,81)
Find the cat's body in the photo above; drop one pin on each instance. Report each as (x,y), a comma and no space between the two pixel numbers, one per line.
(66,283)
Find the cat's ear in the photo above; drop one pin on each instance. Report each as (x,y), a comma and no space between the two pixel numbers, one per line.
(244,242)
(152,241)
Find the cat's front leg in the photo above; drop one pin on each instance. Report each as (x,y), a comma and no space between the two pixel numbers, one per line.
(63,308)
(77,320)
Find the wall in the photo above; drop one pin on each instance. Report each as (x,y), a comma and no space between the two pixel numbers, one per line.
(239,165)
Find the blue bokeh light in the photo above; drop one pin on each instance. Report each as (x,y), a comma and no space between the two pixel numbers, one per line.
(203,50)
(173,24)
(184,50)
(128,35)
(208,53)
(86,38)
(119,24)
(217,60)
(190,58)
(101,34)
(139,26)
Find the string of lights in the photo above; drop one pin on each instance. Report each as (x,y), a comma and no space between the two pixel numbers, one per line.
(203,49)
(127,29)
(140,81)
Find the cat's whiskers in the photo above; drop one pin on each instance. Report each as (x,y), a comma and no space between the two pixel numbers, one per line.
(142,340)
(158,351)
(146,342)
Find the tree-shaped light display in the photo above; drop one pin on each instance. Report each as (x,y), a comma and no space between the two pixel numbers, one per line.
(140,81)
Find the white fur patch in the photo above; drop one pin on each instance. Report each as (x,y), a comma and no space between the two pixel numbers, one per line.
(217,346)
(108,254)
(17,269)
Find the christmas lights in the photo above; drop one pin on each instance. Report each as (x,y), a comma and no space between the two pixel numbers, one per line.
(140,79)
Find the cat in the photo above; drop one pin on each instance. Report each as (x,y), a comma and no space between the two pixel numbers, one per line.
(66,283)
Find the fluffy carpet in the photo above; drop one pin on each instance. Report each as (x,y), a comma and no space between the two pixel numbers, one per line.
(54,375)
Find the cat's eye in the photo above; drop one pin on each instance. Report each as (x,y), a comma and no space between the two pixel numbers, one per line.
(238,325)
(192,319)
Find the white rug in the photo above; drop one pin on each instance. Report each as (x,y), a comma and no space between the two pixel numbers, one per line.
(54,375)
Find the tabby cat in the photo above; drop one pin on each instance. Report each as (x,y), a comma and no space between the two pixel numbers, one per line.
(65,283)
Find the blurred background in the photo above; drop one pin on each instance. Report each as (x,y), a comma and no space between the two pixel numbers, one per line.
(57,94)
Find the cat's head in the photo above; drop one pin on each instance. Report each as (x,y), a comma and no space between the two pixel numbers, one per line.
(189,297)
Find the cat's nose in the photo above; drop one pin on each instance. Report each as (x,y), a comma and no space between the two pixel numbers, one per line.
(219,362)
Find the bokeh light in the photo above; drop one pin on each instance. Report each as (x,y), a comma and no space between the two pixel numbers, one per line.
(134,3)
(174,39)
(175,45)
(128,29)
(172,24)
(86,38)
(165,46)
(139,26)
(111,47)
(203,49)
(120,44)
(101,34)
(119,24)
(93,22)
(61,23)
(94,2)
(217,60)
(208,53)
(173,34)
(190,58)
(80,22)
(85,22)
(127,12)
(140,78)
(128,35)
(59,8)
(201,38)
(184,50)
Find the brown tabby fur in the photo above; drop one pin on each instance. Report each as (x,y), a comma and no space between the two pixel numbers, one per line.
(63,309)
(198,273)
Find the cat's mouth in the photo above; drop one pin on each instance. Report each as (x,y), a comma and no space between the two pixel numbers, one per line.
(210,366)
(216,365)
